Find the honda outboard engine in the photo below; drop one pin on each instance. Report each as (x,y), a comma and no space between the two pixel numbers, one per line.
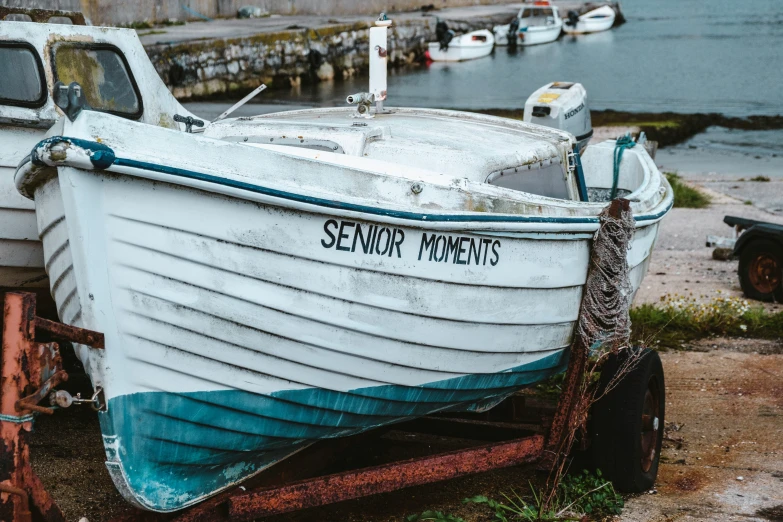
(443,34)
(562,105)
(572,19)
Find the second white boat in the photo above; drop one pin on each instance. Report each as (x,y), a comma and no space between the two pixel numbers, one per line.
(476,44)
(536,24)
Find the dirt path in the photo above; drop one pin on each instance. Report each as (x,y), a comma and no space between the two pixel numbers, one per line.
(724,455)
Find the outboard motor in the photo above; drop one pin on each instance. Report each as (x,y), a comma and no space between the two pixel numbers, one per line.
(562,105)
(513,29)
(443,34)
(572,19)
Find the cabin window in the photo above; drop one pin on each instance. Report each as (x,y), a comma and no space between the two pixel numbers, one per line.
(104,75)
(537,13)
(22,80)
(544,179)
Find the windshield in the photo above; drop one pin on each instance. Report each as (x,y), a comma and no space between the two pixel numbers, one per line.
(21,81)
(103,75)
(537,16)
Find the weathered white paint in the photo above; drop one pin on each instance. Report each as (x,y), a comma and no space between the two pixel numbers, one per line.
(153,263)
(476,44)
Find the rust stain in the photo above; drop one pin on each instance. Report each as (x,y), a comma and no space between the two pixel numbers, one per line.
(691,481)
(382,479)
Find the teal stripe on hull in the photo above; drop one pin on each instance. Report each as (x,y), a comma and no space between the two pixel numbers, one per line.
(168,450)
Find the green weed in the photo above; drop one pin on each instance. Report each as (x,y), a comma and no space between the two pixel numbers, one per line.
(686,196)
(680,319)
(577,495)
(434,516)
(760,178)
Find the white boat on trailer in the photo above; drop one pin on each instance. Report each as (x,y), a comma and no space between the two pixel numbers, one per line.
(594,21)
(535,24)
(468,46)
(291,277)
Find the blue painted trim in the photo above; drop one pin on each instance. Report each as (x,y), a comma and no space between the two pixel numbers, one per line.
(168,450)
(101,156)
(328,203)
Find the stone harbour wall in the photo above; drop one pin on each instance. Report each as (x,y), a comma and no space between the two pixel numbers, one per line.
(207,68)
(124,12)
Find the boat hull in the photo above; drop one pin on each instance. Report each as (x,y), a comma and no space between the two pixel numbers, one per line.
(254,300)
(237,333)
(589,27)
(470,46)
(533,35)
(595,21)
(21,253)
(536,35)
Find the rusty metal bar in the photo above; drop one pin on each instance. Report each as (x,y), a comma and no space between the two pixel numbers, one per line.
(73,334)
(20,372)
(382,479)
(31,401)
(23,515)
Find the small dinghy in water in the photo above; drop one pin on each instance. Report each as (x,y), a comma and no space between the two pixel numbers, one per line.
(595,21)
(291,277)
(536,24)
(451,48)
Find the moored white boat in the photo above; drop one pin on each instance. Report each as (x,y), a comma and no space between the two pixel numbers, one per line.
(476,44)
(595,21)
(536,24)
(28,112)
(311,274)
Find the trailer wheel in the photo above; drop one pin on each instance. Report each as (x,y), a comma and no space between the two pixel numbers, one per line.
(761,270)
(627,422)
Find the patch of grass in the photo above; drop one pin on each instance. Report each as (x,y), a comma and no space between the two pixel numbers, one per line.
(647,124)
(577,496)
(686,196)
(760,178)
(152,32)
(137,25)
(146,24)
(748,202)
(552,386)
(681,319)
(434,516)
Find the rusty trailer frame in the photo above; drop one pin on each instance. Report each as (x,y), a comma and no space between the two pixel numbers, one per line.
(30,370)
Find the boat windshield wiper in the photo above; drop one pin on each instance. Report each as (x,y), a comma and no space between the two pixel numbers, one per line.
(241,102)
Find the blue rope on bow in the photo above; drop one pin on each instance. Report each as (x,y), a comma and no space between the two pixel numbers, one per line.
(625,142)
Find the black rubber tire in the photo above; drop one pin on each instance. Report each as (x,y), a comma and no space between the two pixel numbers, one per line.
(616,422)
(751,251)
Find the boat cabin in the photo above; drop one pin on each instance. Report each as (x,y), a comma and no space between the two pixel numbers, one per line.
(109,64)
(541,13)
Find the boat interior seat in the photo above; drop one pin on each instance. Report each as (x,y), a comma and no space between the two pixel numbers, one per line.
(598,167)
